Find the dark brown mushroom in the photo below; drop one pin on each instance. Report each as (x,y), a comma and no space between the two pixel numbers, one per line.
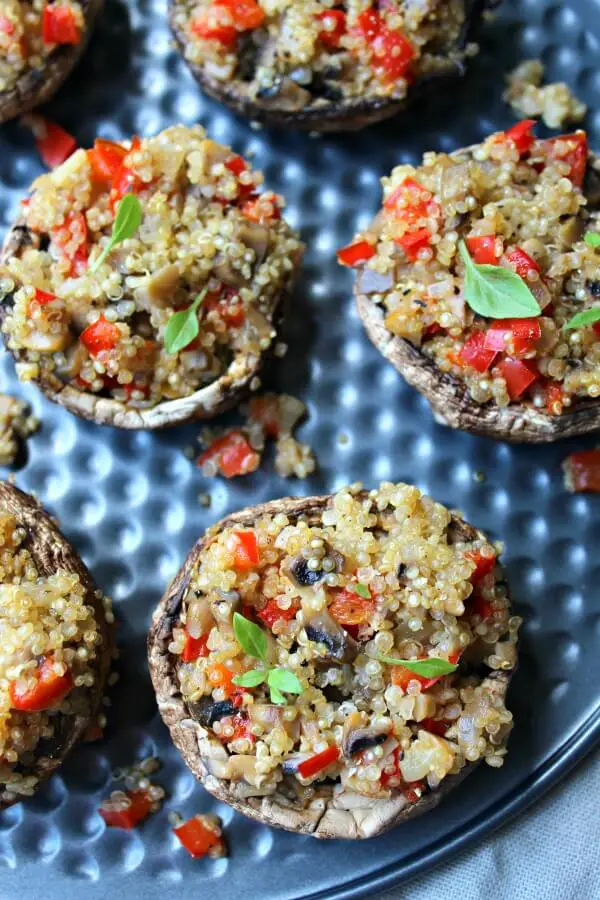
(356,737)
(51,551)
(223,394)
(323,629)
(339,813)
(321,107)
(37,86)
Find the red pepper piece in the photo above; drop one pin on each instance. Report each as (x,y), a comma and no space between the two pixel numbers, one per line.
(356,254)
(482,249)
(394,774)
(482,607)
(415,241)
(349,608)
(59,25)
(117,816)
(246,14)
(6,26)
(233,314)
(318,763)
(475,354)
(71,239)
(519,375)
(106,159)
(516,337)
(435,726)
(483,565)
(521,135)
(571,149)
(401,677)
(197,839)
(271,612)
(48,690)
(194,648)
(43,297)
(54,145)
(582,471)
(233,455)
(411,202)
(101,335)
(244,546)
(522,263)
(392,52)
(334,26)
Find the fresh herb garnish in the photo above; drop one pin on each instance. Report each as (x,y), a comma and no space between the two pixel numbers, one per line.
(183,326)
(429,668)
(496,292)
(127,221)
(362,590)
(585,317)
(253,641)
(592,239)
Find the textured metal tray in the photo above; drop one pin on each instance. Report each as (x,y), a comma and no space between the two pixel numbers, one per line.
(129,501)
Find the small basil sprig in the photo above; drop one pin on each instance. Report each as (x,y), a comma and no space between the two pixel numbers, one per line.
(496,292)
(253,640)
(183,326)
(592,239)
(127,221)
(429,668)
(585,317)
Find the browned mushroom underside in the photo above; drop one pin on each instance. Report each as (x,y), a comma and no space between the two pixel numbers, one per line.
(51,551)
(331,116)
(337,814)
(220,395)
(36,86)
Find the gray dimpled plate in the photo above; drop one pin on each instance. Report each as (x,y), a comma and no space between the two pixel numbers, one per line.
(129,501)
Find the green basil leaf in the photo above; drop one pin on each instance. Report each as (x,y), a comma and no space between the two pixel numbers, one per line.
(362,590)
(429,668)
(251,638)
(250,679)
(284,680)
(585,317)
(183,326)
(277,696)
(496,292)
(127,221)
(592,239)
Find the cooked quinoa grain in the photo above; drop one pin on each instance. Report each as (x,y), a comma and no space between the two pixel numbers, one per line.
(16,424)
(517,202)
(205,230)
(554,103)
(335,591)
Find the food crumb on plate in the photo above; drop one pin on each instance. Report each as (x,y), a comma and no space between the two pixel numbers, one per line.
(554,103)
(582,472)
(16,424)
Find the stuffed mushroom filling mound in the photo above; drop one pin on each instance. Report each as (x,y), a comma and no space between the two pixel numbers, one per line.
(345,651)
(516,203)
(30,30)
(145,272)
(49,640)
(288,54)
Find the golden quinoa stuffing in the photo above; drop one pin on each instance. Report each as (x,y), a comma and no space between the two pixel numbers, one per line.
(296,53)
(16,424)
(554,103)
(48,643)
(518,202)
(30,30)
(292,638)
(206,235)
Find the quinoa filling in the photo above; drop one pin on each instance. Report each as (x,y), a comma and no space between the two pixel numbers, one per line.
(337,600)
(49,641)
(290,54)
(85,311)
(518,202)
(30,30)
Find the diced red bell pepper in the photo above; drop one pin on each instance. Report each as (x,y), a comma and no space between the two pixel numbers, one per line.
(126,816)
(391,49)
(474,353)
(219,676)
(54,145)
(266,410)
(100,336)
(197,838)
(237,165)
(194,648)
(482,249)
(554,396)
(521,135)
(241,728)
(318,763)
(48,690)
(435,726)
(59,25)
(106,159)
(596,328)
(244,546)
(582,471)
(571,149)
(519,375)
(125,180)
(522,263)
(411,202)
(246,14)
(72,240)
(334,26)
(394,774)
(233,314)
(356,254)
(413,242)
(207,28)
(349,608)
(517,337)
(482,607)
(413,791)
(271,612)
(401,677)
(6,26)
(431,331)
(43,297)
(233,455)
(483,565)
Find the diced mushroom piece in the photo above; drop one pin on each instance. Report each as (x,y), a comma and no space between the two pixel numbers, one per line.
(208,711)
(161,286)
(356,737)
(213,153)
(241,767)
(291,762)
(428,755)
(370,282)
(225,272)
(216,758)
(51,342)
(323,629)
(304,575)
(285,94)
(256,237)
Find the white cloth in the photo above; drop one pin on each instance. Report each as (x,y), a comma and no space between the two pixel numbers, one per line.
(552,852)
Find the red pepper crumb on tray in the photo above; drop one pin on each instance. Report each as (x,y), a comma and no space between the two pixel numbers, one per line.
(582,471)
(202,835)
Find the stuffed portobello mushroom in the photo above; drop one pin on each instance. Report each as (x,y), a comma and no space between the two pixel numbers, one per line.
(144,283)
(55,640)
(318,64)
(333,665)
(479,280)
(40,43)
